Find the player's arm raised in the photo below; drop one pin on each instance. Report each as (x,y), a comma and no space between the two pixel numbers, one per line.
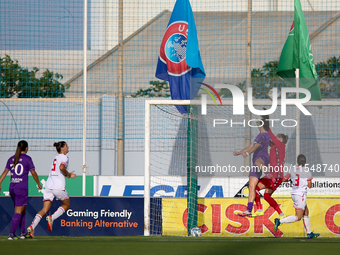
(67,174)
(273,137)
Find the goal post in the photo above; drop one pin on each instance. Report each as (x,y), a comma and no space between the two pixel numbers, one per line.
(192,147)
(147,144)
(168,119)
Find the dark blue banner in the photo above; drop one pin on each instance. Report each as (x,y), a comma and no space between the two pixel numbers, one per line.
(88,216)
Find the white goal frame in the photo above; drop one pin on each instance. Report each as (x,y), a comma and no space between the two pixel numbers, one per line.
(147,137)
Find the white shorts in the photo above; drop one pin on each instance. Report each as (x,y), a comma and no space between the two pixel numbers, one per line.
(50,194)
(300,201)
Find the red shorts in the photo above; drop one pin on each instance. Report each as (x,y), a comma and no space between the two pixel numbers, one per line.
(270,184)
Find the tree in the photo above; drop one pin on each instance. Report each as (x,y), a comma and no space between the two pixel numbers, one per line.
(329,74)
(157,89)
(265,78)
(23,83)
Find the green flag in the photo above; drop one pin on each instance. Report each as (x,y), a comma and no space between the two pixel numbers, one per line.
(297,53)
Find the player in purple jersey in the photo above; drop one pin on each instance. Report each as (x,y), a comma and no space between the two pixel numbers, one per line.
(259,148)
(19,166)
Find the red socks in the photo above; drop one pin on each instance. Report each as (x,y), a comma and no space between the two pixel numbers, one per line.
(271,201)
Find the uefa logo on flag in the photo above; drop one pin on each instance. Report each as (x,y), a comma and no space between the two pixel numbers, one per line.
(174,47)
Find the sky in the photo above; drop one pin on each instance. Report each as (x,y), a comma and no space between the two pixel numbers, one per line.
(42,25)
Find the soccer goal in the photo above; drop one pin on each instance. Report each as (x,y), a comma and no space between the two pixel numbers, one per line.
(189,158)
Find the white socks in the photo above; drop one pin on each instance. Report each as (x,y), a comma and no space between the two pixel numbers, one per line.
(55,215)
(293,218)
(306,223)
(36,221)
(58,213)
(289,219)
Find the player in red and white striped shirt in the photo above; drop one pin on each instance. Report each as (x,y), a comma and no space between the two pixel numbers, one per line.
(301,179)
(55,188)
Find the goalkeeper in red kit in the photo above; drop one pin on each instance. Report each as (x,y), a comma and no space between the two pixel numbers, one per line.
(274,176)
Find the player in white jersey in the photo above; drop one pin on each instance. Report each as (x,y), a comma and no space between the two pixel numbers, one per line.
(301,179)
(55,188)
(56,178)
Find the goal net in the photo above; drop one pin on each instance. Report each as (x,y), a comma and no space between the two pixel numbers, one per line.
(192,178)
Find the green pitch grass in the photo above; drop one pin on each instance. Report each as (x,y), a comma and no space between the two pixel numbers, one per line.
(169,245)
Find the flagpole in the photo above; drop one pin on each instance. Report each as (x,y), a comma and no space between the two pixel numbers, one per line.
(84,93)
(247,115)
(120,144)
(298,145)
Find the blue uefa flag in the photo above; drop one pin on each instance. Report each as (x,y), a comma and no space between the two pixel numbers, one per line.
(179,60)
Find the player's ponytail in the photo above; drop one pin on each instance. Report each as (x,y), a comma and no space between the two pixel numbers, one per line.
(59,145)
(301,160)
(22,145)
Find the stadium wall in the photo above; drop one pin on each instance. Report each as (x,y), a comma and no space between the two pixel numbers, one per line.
(135,15)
